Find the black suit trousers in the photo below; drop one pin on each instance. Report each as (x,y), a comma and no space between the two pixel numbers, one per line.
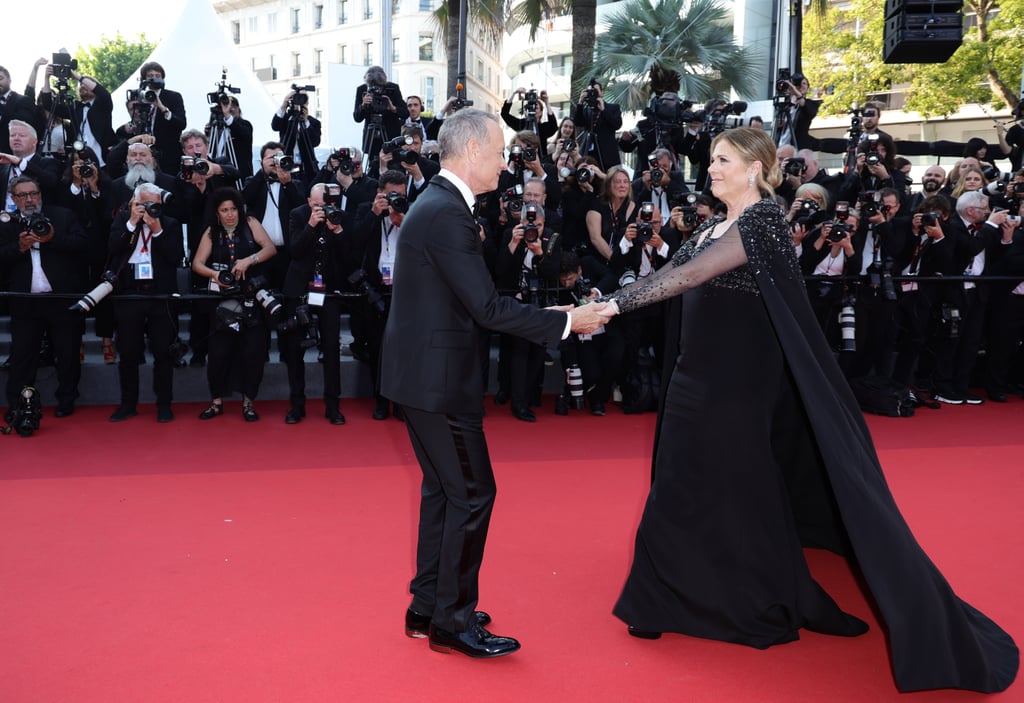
(328,322)
(31,317)
(456,500)
(137,320)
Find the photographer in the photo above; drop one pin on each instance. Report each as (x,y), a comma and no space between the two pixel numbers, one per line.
(564,148)
(661,182)
(43,249)
(425,125)
(598,355)
(162,116)
(404,153)
(229,255)
(298,132)
(538,117)
(92,120)
(874,170)
(1006,319)
(528,263)
(982,236)
(380,106)
(22,160)
(12,107)
(524,165)
(597,123)
(802,168)
(378,229)
(238,130)
(879,242)
(828,251)
(582,183)
(931,184)
(663,125)
(145,251)
(609,214)
(693,211)
(270,196)
(320,243)
(797,113)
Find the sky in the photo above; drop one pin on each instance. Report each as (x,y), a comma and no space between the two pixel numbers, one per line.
(63,24)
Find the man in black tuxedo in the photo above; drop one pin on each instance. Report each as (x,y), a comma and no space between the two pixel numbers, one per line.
(142,168)
(270,196)
(601,121)
(163,118)
(231,128)
(12,107)
(145,251)
(409,158)
(92,121)
(22,160)
(425,125)
(443,303)
(379,102)
(298,132)
(43,257)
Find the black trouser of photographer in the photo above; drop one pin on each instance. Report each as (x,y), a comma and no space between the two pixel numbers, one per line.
(200,318)
(826,298)
(373,325)
(103,312)
(526,366)
(31,318)
(328,322)
(236,359)
(136,320)
(1005,334)
(913,320)
(875,333)
(973,319)
(642,328)
(953,352)
(599,358)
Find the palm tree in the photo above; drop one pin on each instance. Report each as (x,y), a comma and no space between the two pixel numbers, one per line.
(681,46)
(485,16)
(533,13)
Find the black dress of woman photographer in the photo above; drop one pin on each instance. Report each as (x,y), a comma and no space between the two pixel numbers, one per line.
(762,450)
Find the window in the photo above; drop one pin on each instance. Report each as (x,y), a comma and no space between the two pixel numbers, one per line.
(295,20)
(296,64)
(272,22)
(479,70)
(342,11)
(254,24)
(426,47)
(428,93)
(395,45)
(396,7)
(318,16)
(236,31)
(342,53)
(318,60)
(561,65)
(367,53)
(426,6)
(367,9)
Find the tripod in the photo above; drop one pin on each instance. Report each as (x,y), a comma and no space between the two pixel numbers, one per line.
(221,143)
(588,141)
(373,134)
(295,135)
(782,122)
(62,116)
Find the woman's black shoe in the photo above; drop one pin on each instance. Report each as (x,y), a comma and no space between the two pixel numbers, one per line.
(249,412)
(644,634)
(294,416)
(211,412)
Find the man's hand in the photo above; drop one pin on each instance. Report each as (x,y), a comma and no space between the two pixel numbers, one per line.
(380,204)
(587,318)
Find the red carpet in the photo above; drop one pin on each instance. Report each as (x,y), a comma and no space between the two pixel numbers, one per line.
(220,561)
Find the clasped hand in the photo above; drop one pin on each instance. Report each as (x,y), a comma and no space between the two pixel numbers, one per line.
(587,318)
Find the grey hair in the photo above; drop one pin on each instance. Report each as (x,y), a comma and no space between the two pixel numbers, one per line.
(375,75)
(457,131)
(26,125)
(150,189)
(972,198)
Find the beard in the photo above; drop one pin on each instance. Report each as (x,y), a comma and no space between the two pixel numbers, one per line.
(931,186)
(140,173)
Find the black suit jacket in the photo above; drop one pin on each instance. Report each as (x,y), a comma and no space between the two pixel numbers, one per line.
(63,258)
(306,136)
(335,254)
(16,107)
(167,132)
(100,117)
(604,126)
(168,251)
(545,130)
(44,169)
(442,302)
(391,121)
(290,196)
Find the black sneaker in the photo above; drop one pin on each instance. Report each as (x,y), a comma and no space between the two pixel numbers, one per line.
(972,399)
(949,398)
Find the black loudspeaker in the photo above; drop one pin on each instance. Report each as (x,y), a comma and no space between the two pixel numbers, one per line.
(922,32)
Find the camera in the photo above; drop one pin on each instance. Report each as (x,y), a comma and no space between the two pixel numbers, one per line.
(569,144)
(880,277)
(300,99)
(148,89)
(872,157)
(530,230)
(193,165)
(333,212)
(399,151)
(668,110)
(840,226)
(373,297)
(514,198)
(645,223)
(716,111)
(590,95)
(583,175)
(86,169)
(154,210)
(848,325)
(518,155)
(867,204)
(25,418)
(782,81)
(398,202)
(930,218)
(222,96)
(101,291)
(302,319)
(63,65)
(379,102)
(36,223)
(795,166)
(346,162)
(285,162)
(656,172)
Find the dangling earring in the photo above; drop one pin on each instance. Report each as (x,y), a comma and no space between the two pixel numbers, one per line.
(750,181)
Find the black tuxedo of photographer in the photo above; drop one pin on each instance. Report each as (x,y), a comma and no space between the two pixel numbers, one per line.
(643,139)
(145,253)
(13,107)
(166,120)
(321,252)
(408,159)
(798,113)
(545,126)
(92,114)
(663,190)
(38,263)
(390,107)
(23,160)
(1006,320)
(377,230)
(356,187)
(603,121)
(300,134)
(529,260)
(978,234)
(803,168)
(868,176)
(270,196)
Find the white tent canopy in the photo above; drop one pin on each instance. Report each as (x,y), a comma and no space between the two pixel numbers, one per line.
(194,55)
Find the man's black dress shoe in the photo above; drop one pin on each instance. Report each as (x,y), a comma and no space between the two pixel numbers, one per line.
(334,416)
(644,634)
(523,413)
(122,413)
(418,625)
(381,412)
(561,405)
(294,416)
(997,396)
(475,642)
(64,409)
(164,413)
(501,397)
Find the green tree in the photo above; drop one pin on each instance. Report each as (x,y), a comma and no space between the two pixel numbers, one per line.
(486,21)
(683,46)
(113,61)
(534,13)
(843,51)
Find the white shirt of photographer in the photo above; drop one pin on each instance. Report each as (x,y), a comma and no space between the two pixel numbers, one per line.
(389,233)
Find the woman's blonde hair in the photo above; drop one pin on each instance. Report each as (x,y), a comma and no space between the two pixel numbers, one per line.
(755,145)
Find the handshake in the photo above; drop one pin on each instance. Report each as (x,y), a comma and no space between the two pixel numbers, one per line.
(587,318)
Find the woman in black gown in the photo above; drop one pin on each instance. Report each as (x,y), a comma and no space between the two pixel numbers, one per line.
(761,450)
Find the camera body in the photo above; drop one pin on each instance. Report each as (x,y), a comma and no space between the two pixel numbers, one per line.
(345,159)
(868,204)
(782,80)
(930,218)
(840,227)
(531,232)
(873,156)
(645,223)
(514,198)
(656,173)
(193,165)
(374,299)
(300,99)
(63,66)
(398,149)
(333,212)
(398,202)
(518,155)
(795,166)
(379,102)
(569,145)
